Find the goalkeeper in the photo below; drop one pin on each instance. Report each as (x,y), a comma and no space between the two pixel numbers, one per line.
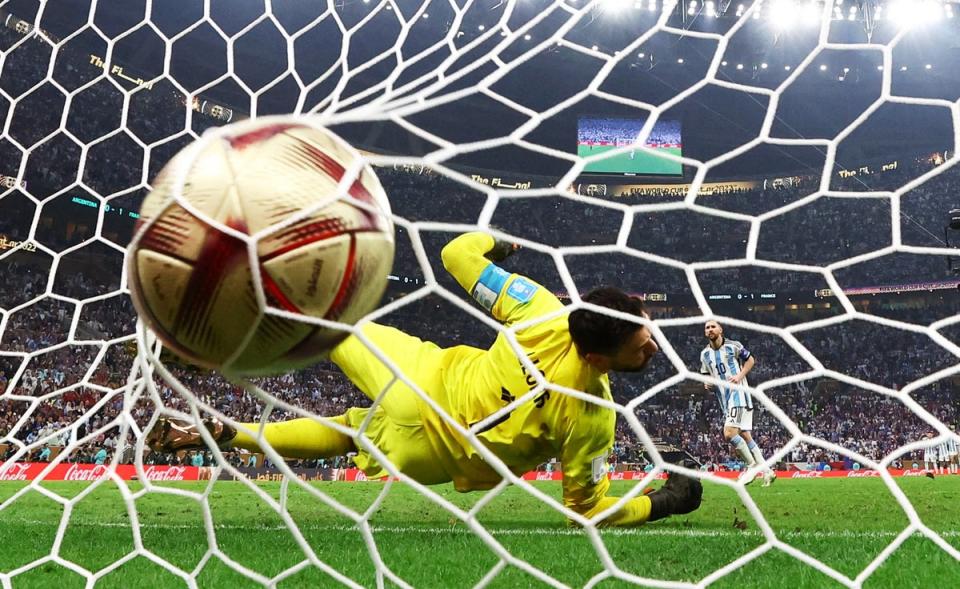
(574,350)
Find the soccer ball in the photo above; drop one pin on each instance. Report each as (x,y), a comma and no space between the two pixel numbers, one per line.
(208,292)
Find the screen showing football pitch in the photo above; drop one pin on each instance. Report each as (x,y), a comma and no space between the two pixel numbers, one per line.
(599,134)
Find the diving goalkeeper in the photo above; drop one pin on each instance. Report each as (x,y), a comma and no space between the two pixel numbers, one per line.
(575,350)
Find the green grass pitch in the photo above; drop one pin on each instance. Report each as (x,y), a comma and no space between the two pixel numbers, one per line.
(845,523)
(642,162)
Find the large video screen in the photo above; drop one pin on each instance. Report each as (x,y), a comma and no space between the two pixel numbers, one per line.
(597,134)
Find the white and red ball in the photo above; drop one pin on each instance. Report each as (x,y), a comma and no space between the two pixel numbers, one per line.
(195,285)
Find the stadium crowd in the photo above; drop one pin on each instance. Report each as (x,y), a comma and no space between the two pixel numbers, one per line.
(68,383)
(58,391)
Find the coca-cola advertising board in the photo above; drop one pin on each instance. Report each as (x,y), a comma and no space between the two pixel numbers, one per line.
(29,471)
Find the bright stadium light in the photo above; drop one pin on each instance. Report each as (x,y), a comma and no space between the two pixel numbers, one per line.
(823,68)
(810,13)
(909,14)
(711,9)
(786,68)
(928,66)
(723,63)
(680,61)
(763,66)
(783,13)
(739,66)
(614,5)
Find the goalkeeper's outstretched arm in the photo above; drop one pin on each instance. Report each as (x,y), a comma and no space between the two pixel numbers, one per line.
(586,485)
(469,255)
(590,503)
(470,259)
(680,494)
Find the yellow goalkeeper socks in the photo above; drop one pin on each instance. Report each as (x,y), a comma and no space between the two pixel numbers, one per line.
(298,438)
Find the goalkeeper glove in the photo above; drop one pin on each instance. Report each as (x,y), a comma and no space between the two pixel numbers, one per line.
(501,250)
(680,494)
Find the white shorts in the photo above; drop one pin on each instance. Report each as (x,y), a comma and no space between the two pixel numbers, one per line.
(944,456)
(739,417)
(930,455)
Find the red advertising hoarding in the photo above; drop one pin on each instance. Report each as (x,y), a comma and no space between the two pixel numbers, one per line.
(28,471)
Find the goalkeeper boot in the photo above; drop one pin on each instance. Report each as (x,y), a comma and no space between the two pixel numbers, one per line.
(173,435)
(680,494)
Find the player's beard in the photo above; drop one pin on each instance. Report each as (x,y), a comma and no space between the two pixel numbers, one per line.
(633,367)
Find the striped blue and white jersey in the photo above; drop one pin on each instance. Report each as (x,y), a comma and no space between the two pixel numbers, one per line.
(725,362)
(952,446)
(948,447)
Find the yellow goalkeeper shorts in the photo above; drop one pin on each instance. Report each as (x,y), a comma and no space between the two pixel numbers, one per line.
(395,427)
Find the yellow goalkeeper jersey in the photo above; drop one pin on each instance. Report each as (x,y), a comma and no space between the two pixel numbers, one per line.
(477,383)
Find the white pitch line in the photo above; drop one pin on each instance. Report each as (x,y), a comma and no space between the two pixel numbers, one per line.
(531,532)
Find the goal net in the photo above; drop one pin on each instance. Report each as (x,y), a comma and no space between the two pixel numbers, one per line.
(784,167)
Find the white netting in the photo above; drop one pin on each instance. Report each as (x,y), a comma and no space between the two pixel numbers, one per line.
(391,78)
